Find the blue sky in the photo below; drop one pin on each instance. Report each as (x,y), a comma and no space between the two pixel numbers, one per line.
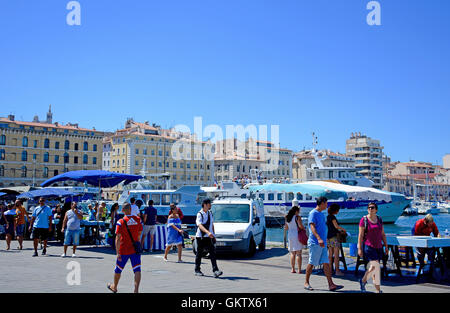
(306,65)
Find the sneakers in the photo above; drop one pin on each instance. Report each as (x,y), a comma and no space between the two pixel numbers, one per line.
(63,255)
(35,253)
(217,273)
(44,251)
(362,285)
(74,255)
(199,273)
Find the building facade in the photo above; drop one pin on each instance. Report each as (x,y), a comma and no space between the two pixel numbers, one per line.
(143,148)
(368,156)
(333,166)
(235,160)
(446,161)
(32,152)
(424,179)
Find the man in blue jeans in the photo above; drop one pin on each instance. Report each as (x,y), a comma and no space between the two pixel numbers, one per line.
(317,244)
(72,234)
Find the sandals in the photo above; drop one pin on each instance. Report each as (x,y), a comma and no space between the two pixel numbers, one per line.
(293,271)
(336,288)
(309,288)
(109,287)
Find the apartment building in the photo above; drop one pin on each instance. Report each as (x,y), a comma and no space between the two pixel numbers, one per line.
(368,156)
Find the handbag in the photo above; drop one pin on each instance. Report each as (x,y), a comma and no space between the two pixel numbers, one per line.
(342,237)
(302,234)
(136,244)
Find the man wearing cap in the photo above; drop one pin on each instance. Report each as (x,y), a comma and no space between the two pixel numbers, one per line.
(41,224)
(128,231)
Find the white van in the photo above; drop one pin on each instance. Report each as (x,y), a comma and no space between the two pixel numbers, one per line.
(239,225)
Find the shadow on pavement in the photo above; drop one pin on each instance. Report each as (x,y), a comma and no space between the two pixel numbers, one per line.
(259,255)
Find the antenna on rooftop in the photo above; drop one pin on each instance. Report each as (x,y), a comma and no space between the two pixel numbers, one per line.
(315,141)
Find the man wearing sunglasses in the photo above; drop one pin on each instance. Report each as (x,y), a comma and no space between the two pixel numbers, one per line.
(41,225)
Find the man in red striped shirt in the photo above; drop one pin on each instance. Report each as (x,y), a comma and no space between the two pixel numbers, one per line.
(125,249)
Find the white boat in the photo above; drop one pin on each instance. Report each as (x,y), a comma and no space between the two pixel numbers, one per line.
(353,200)
(428,208)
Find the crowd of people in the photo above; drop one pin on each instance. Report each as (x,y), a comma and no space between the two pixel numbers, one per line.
(326,236)
(131,227)
(129,242)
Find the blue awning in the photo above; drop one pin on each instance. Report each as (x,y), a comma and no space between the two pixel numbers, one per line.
(46,193)
(97,178)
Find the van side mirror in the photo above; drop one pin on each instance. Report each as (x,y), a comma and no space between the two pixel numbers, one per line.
(256,220)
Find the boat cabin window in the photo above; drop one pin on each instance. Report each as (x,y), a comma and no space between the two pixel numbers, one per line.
(308,197)
(156,197)
(280,197)
(144,198)
(299,196)
(290,196)
(165,199)
(262,196)
(270,196)
(176,198)
(200,197)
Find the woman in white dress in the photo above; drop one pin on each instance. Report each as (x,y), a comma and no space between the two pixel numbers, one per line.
(293,223)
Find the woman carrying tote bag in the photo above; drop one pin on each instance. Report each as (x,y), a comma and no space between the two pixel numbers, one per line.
(292,225)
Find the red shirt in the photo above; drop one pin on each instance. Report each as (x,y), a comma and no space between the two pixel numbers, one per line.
(180,214)
(425,230)
(135,227)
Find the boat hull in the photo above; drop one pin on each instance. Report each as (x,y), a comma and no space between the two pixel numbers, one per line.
(351,212)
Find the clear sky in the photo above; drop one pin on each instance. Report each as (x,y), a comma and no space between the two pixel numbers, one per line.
(306,65)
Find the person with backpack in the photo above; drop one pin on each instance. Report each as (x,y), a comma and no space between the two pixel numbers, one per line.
(11,224)
(205,239)
(128,233)
(370,246)
(293,225)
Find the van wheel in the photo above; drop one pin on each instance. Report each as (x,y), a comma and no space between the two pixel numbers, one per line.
(251,247)
(262,245)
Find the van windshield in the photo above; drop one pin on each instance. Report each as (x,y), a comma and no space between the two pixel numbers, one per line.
(231,213)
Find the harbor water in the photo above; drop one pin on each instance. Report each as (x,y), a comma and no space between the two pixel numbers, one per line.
(402,226)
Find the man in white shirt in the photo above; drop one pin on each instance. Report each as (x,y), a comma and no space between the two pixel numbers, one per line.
(134,208)
(205,238)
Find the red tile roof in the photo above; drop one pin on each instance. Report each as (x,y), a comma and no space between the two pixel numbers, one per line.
(71,127)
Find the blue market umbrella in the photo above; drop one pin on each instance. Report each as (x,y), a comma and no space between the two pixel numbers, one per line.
(46,193)
(102,179)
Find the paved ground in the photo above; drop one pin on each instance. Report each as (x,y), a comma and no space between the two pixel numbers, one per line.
(267,271)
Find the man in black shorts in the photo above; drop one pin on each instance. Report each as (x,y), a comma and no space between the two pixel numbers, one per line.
(41,225)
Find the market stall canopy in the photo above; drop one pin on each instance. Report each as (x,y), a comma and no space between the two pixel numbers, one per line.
(46,193)
(97,178)
(17,190)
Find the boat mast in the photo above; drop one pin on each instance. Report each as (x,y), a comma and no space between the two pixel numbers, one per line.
(314,152)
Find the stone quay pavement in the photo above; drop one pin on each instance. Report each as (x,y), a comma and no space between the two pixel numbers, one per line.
(266,272)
